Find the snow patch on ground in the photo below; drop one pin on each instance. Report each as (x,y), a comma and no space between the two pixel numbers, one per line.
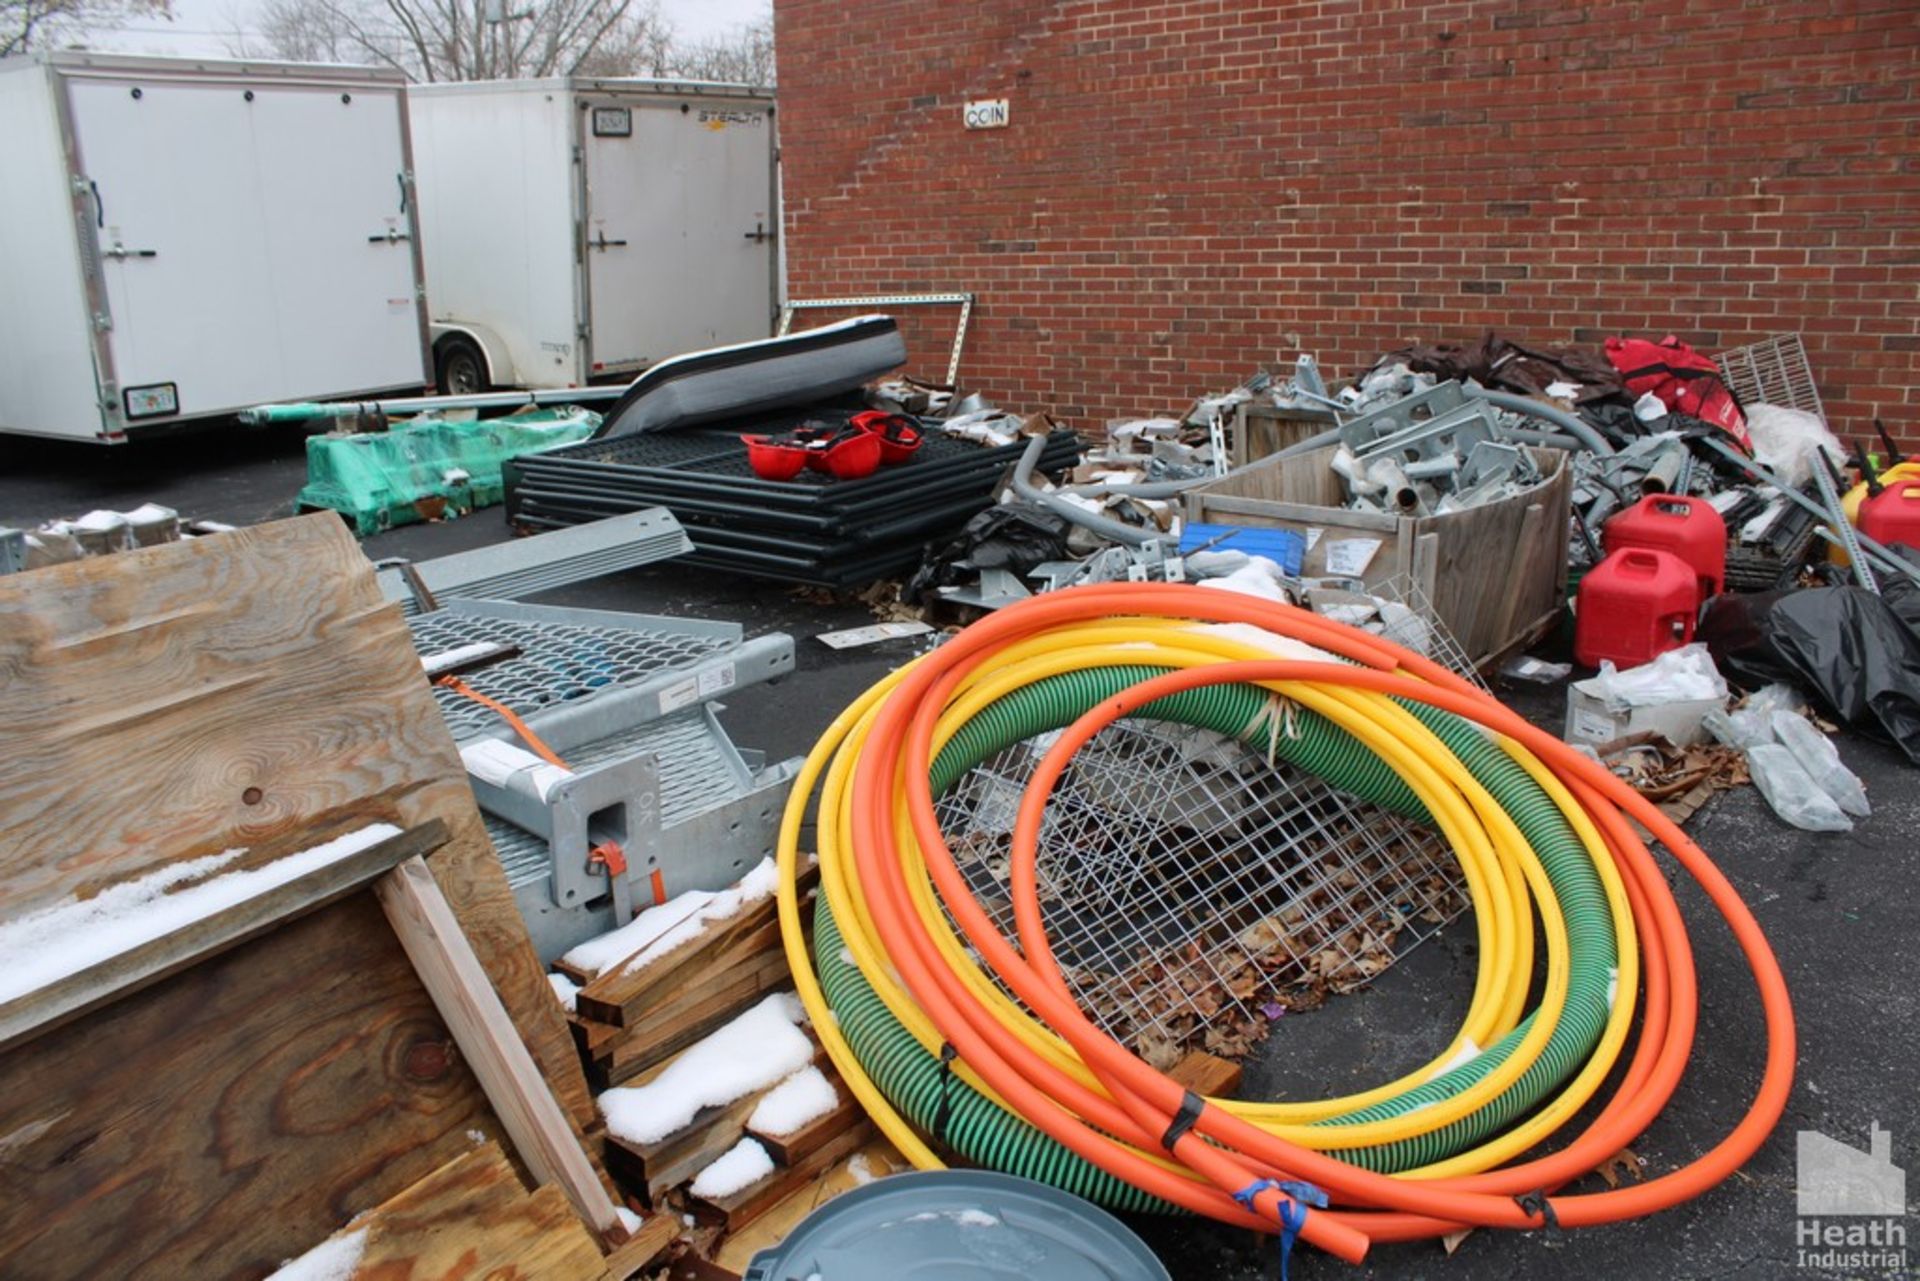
(751,1053)
(738,1168)
(335,1259)
(665,926)
(628,1219)
(860,1170)
(48,945)
(805,1096)
(566,989)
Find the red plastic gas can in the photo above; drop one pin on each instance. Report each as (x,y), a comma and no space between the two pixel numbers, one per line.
(1634,606)
(1688,527)
(1892,515)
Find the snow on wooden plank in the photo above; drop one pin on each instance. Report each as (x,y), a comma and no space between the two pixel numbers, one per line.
(61,962)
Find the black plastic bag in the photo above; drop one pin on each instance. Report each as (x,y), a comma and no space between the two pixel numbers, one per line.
(1857,654)
(1013,536)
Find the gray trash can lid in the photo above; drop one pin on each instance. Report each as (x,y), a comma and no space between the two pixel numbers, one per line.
(958,1225)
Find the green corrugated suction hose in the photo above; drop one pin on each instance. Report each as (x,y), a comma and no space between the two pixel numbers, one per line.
(939,1102)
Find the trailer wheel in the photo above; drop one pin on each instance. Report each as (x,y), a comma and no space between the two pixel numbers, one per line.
(459,366)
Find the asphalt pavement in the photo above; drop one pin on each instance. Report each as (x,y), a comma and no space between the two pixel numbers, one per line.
(1840,910)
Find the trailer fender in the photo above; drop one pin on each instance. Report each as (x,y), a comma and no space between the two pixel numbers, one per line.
(500,371)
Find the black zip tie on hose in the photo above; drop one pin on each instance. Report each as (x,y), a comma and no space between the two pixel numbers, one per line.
(1183,1120)
(945,1076)
(1535,1202)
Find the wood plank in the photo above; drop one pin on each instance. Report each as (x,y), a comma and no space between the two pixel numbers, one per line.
(425,925)
(1267,511)
(606,1043)
(1207,1075)
(594,1039)
(652,1169)
(40,1011)
(791,1149)
(654,1043)
(1533,545)
(657,1232)
(877,1159)
(620,995)
(696,984)
(252,691)
(227,1118)
(473,1218)
(743,1207)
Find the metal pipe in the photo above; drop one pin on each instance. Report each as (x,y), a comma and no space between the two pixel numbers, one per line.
(1663,473)
(1573,433)
(1143,489)
(1874,550)
(1109,529)
(1590,440)
(1823,474)
(312,411)
(1550,439)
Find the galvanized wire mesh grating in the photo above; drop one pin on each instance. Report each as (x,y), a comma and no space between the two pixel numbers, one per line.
(1192,891)
(557,663)
(1423,633)
(1773,371)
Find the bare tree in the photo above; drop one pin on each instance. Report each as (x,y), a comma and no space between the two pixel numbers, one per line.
(26,25)
(434,40)
(742,56)
(502,39)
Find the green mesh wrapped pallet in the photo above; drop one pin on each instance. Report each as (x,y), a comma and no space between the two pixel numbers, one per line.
(429,467)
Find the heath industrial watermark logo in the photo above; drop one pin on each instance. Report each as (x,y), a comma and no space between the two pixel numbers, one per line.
(1852,1204)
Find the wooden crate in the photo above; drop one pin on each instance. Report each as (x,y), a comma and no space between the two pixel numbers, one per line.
(1496,575)
(1260,430)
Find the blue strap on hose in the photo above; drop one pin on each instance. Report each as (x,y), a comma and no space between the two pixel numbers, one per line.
(1293,1211)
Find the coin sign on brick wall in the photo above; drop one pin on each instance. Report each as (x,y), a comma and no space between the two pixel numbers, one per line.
(985,113)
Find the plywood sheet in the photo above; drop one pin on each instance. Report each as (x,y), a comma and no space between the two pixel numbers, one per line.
(232,1116)
(473,1218)
(247,691)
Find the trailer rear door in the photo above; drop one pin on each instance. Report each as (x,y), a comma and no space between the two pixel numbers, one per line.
(678,240)
(254,245)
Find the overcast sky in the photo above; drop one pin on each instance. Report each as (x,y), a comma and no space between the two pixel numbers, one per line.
(203,28)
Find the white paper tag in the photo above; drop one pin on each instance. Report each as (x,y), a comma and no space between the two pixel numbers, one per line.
(1349,557)
(682,693)
(1313,535)
(872,635)
(1590,726)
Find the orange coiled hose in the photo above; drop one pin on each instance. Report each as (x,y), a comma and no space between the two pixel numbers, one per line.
(1140,1103)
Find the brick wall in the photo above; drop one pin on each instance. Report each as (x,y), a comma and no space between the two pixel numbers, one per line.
(1190,189)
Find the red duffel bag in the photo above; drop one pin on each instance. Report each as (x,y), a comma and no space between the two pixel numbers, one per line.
(1684,380)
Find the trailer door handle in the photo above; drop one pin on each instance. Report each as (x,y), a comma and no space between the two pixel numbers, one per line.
(759,235)
(388,237)
(120,252)
(601,242)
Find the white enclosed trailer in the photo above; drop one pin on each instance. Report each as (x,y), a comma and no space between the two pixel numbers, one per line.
(182,238)
(577,228)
